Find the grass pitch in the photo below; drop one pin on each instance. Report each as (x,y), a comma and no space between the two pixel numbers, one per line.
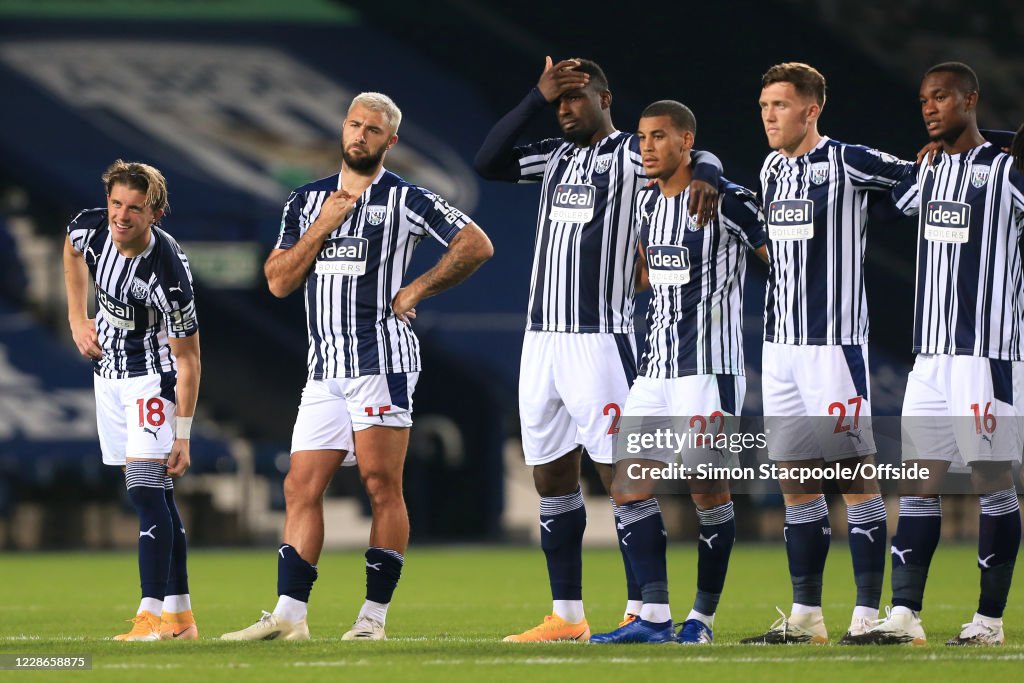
(452,609)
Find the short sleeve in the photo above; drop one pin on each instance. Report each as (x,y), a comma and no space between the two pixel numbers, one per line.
(429,214)
(290,232)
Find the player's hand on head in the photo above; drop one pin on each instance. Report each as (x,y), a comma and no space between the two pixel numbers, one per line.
(179,461)
(559,78)
(928,152)
(703,201)
(84,334)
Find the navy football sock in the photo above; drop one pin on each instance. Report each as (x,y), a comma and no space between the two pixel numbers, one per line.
(998,543)
(383,569)
(867,536)
(295,576)
(808,534)
(917,537)
(177,578)
(632,587)
(644,540)
(562,522)
(145,482)
(716,537)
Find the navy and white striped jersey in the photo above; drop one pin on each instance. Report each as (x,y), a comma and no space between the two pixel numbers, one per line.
(352,329)
(140,301)
(970,289)
(584,263)
(695,319)
(816,206)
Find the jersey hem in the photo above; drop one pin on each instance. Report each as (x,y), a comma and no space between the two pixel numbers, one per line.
(587,329)
(816,341)
(320,376)
(1013,358)
(695,373)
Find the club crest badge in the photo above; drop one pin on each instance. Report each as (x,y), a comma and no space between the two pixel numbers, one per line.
(375,214)
(819,172)
(603,163)
(979,176)
(139,289)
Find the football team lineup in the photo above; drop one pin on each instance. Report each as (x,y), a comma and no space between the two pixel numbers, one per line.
(619,213)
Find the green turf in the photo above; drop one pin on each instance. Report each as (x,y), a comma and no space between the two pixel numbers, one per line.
(452,609)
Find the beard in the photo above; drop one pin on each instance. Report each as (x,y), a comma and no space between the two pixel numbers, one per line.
(368,162)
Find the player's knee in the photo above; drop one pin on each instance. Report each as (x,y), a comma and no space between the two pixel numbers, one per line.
(988,477)
(383,488)
(300,488)
(558,478)
(706,501)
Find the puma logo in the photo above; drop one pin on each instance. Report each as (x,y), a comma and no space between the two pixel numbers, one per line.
(854,435)
(864,532)
(984,563)
(88,250)
(171,289)
(545,526)
(901,553)
(700,537)
(375,566)
(988,438)
(625,537)
(148,532)
(151,431)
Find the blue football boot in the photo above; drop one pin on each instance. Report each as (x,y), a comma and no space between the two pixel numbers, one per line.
(695,632)
(638,631)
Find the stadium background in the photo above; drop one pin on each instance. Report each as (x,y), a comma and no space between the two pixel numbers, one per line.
(238,101)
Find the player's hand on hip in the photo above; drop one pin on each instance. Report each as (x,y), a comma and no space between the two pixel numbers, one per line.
(335,210)
(84,334)
(404,305)
(179,461)
(558,79)
(703,201)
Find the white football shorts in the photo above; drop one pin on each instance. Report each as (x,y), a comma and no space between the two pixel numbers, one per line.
(699,411)
(572,388)
(332,409)
(135,417)
(963,409)
(804,385)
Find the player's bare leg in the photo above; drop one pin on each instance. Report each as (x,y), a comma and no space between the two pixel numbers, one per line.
(381,458)
(309,474)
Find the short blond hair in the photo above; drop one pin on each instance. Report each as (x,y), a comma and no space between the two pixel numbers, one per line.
(141,177)
(379,102)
